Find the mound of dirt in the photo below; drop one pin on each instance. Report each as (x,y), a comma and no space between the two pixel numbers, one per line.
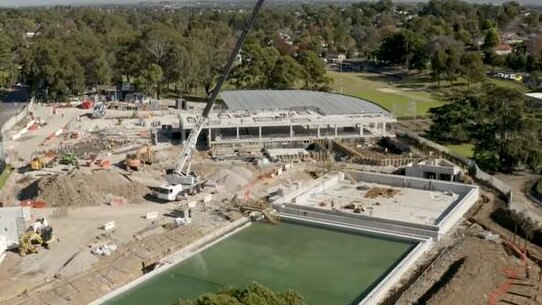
(83,189)
(232,179)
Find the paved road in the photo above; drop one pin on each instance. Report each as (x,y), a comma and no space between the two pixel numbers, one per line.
(11,102)
(518,182)
(31,141)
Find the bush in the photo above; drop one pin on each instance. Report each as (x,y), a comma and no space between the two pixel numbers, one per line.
(520,223)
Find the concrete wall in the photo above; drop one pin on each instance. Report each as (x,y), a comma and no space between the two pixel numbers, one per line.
(367,224)
(411,182)
(382,289)
(291,205)
(456,211)
(8,125)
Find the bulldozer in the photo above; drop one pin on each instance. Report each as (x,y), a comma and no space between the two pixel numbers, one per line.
(136,160)
(40,235)
(40,162)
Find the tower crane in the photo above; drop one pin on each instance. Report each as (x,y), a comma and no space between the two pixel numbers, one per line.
(181,180)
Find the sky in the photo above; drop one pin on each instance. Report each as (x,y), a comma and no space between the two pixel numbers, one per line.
(80,2)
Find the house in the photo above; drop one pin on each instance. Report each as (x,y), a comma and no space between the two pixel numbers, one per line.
(511,38)
(503,49)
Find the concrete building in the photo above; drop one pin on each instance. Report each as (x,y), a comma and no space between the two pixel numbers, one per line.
(263,116)
(438,169)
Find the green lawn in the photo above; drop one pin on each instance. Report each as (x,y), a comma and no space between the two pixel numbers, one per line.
(465,150)
(375,88)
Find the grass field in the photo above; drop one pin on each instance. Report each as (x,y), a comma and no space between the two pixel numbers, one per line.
(377,89)
(465,150)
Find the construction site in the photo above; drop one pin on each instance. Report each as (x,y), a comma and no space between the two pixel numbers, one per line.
(111,202)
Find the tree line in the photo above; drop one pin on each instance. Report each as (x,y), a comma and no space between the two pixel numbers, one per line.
(61,51)
(504,126)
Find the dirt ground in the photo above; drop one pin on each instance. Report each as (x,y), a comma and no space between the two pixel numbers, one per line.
(519,182)
(472,270)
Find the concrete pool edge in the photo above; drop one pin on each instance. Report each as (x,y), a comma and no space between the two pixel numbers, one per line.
(179,256)
(392,278)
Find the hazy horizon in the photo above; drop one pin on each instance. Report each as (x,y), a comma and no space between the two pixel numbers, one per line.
(22,3)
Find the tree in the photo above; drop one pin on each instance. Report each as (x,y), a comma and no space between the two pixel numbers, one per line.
(314,71)
(473,67)
(399,47)
(492,38)
(498,121)
(254,294)
(50,67)
(5,60)
(150,80)
(285,73)
(438,65)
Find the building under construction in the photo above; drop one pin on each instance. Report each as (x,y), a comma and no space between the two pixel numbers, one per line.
(263,116)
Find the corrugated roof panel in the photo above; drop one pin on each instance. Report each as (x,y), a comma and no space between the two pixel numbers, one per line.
(327,103)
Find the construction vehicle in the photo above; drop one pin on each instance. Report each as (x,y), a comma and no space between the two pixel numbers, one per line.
(180,181)
(143,156)
(99,110)
(40,162)
(39,235)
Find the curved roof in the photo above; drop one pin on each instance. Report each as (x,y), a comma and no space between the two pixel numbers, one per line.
(327,103)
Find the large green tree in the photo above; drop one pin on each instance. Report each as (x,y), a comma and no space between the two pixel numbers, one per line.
(51,67)
(314,71)
(505,130)
(5,59)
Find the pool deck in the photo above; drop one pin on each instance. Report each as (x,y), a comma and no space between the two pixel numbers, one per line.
(407,204)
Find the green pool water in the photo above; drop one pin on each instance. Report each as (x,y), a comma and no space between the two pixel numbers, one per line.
(325,266)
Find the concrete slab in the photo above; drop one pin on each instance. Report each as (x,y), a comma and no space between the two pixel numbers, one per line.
(410,205)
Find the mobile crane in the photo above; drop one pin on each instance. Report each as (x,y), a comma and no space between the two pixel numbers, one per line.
(180,181)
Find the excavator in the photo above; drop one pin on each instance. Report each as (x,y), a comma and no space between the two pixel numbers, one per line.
(136,160)
(180,181)
(41,234)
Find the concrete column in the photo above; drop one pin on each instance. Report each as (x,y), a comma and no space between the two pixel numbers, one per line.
(336,131)
(318,130)
(237,128)
(209,138)
(361,129)
(384,129)
(260,132)
(291,131)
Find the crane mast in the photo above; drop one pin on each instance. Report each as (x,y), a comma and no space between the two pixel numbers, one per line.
(181,174)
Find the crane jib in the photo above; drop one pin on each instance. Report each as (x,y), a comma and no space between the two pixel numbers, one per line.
(182,168)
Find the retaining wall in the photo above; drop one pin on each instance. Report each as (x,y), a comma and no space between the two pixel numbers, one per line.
(8,125)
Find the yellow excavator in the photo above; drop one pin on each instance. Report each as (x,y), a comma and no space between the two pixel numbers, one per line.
(36,237)
(143,156)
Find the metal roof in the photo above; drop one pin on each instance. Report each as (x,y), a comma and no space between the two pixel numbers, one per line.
(327,103)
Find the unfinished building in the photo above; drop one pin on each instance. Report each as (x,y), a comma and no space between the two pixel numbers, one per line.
(266,116)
